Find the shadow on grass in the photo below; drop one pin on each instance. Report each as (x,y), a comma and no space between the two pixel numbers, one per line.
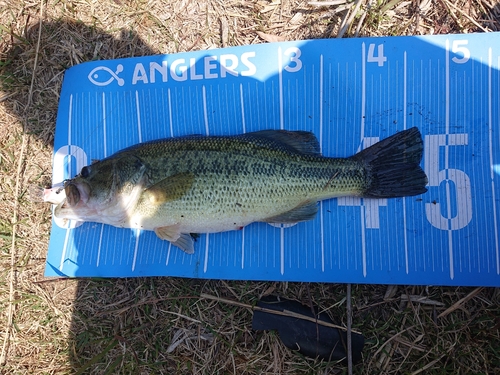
(129,325)
(117,325)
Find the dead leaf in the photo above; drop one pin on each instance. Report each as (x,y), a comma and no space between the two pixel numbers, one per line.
(270,38)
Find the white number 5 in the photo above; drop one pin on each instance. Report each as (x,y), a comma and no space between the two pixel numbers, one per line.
(463,198)
(458,46)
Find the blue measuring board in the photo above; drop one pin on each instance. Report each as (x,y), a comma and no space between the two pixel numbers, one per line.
(350,93)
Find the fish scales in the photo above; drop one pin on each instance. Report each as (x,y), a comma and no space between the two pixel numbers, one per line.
(199,184)
(243,179)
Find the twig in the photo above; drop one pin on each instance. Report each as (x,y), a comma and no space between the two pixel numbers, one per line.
(388,6)
(429,365)
(348,21)
(460,302)
(326,3)
(140,303)
(362,18)
(4,97)
(275,312)
(465,15)
(20,163)
(388,341)
(457,21)
(420,299)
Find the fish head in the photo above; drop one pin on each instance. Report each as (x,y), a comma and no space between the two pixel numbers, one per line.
(104,191)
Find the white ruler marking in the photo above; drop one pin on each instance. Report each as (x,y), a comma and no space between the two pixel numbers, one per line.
(139,132)
(242,102)
(138,111)
(492,175)
(363,112)
(405,87)
(137,233)
(205,111)
(205,116)
(105,150)
(363,90)
(65,246)
(171,122)
(169,101)
(68,229)
(362,209)
(280,80)
(322,229)
(446,157)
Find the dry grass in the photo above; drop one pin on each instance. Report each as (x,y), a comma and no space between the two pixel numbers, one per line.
(127,326)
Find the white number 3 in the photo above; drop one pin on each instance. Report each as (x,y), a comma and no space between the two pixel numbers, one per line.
(294,64)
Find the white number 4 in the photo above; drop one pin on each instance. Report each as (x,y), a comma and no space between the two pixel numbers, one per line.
(379,58)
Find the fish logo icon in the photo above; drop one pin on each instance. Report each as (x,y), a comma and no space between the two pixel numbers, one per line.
(98,75)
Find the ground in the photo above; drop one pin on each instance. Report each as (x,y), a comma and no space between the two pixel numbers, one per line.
(125,326)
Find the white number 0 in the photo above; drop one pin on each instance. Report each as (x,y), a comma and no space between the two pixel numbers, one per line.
(63,159)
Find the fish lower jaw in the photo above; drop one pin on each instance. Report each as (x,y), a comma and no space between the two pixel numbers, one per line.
(90,214)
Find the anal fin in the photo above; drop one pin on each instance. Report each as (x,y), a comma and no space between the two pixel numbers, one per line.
(171,233)
(185,243)
(304,212)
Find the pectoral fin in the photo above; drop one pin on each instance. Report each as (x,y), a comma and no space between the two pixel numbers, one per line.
(172,233)
(170,188)
(304,212)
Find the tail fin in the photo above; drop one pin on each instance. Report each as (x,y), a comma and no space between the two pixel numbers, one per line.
(393,166)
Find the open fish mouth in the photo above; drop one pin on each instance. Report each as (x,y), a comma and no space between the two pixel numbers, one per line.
(77,193)
(76,205)
(72,194)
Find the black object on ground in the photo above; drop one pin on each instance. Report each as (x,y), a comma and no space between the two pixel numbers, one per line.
(309,338)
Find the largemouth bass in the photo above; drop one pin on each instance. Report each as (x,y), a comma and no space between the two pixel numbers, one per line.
(198,184)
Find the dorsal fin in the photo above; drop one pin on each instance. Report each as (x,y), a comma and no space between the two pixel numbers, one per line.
(299,141)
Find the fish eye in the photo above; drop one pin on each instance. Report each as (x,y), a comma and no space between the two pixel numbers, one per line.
(85,172)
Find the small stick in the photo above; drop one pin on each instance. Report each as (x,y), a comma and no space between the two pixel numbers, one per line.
(326,3)
(460,302)
(348,21)
(275,312)
(465,15)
